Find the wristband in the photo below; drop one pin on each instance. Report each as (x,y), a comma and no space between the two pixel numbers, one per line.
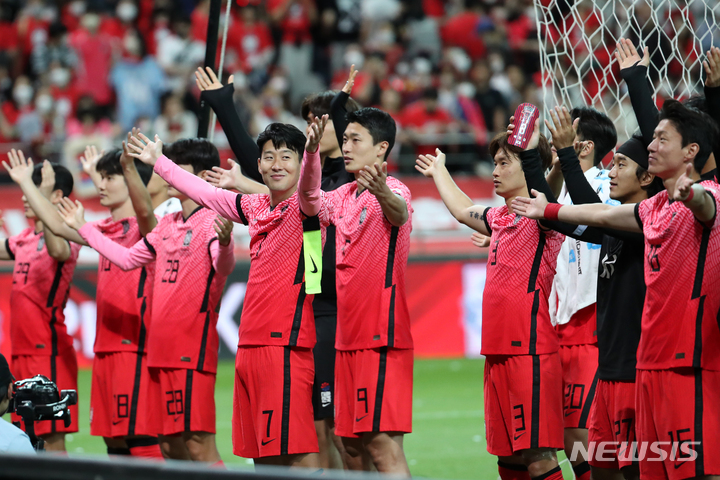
(551,211)
(690,195)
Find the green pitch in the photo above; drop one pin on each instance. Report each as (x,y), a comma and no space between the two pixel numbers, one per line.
(448,439)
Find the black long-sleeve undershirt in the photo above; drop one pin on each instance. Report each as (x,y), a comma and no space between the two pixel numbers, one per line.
(640,92)
(242,144)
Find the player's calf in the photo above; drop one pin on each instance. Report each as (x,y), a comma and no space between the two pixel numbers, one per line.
(201,446)
(54,442)
(542,464)
(575,438)
(386,452)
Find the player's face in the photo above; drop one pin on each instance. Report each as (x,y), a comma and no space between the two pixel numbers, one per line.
(623,178)
(279,167)
(29,212)
(666,151)
(156,185)
(359,150)
(508,175)
(328,142)
(113,190)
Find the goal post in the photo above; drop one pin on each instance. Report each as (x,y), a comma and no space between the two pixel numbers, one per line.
(577,40)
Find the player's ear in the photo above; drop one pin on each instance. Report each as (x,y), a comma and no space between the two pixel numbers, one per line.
(691,152)
(646,179)
(56,196)
(382,148)
(588,149)
(202,174)
(259,171)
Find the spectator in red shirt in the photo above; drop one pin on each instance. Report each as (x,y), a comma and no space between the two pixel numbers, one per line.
(252,42)
(95,53)
(126,13)
(465,29)
(425,117)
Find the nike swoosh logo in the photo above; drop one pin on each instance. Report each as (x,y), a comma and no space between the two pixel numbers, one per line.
(263,442)
(176,419)
(165,238)
(118,422)
(314,270)
(518,436)
(358,419)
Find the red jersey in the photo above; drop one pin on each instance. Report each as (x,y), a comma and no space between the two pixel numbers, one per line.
(39,292)
(682,273)
(186,293)
(520,270)
(123,306)
(276,309)
(371,256)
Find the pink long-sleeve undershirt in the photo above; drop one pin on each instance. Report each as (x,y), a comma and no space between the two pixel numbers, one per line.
(310,183)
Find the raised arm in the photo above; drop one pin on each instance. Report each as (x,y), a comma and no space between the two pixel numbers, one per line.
(222,252)
(220,99)
(337,106)
(712,89)
(700,202)
(633,69)
(21,172)
(126,258)
(89,162)
(57,247)
(311,169)
(222,201)
(139,195)
(234,178)
(460,205)
(594,214)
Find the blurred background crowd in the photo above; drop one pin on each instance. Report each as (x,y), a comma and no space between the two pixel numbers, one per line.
(78,72)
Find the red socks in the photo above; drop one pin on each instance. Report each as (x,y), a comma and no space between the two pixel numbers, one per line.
(554,474)
(218,464)
(145,447)
(582,471)
(513,471)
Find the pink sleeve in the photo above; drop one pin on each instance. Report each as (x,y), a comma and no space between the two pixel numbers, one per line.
(125,258)
(224,202)
(223,257)
(309,184)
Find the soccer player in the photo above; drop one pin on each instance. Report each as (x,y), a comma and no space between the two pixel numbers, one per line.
(633,69)
(374,360)
(273,421)
(573,297)
(162,203)
(193,255)
(620,296)
(523,374)
(122,391)
(44,266)
(334,175)
(677,361)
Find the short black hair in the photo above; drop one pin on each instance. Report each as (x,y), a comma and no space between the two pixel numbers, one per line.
(500,142)
(319,104)
(596,127)
(63,179)
(198,152)
(380,124)
(109,164)
(693,126)
(283,134)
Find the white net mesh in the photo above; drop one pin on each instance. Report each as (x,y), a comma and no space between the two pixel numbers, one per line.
(578,39)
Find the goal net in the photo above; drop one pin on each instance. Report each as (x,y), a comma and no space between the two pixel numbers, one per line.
(577,40)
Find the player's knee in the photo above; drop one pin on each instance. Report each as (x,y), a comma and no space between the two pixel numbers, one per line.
(201,446)
(539,460)
(353,447)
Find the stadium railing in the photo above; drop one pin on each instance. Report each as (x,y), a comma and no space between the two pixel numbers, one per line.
(48,467)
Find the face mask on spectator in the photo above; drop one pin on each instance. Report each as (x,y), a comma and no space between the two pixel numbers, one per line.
(63,107)
(90,21)
(60,76)
(354,57)
(22,94)
(77,8)
(279,84)
(43,103)
(126,11)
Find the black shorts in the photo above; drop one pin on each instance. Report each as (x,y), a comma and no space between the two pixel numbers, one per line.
(324,353)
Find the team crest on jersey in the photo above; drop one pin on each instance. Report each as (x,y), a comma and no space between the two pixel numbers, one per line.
(126,226)
(363,214)
(188,238)
(41,244)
